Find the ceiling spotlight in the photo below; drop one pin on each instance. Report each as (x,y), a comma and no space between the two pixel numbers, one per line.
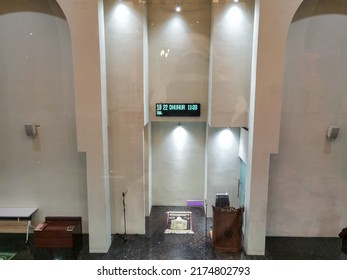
(236,1)
(178,9)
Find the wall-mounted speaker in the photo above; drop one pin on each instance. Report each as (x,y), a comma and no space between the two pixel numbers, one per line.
(30,130)
(333,132)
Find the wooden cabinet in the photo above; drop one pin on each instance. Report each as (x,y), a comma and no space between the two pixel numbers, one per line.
(227,229)
(59,232)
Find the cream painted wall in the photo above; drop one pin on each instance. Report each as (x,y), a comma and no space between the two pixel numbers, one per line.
(223,165)
(178,160)
(36,86)
(179,49)
(231,57)
(148,167)
(125,59)
(145,67)
(308,185)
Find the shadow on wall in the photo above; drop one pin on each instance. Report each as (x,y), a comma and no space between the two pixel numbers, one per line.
(318,8)
(34,6)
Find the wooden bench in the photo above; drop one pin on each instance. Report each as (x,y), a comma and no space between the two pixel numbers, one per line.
(16,220)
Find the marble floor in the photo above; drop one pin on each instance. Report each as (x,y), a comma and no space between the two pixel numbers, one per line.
(155,245)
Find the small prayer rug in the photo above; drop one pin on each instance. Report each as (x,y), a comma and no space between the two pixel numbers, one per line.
(6,256)
(179,222)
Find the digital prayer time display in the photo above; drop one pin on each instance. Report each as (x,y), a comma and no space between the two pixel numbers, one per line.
(177,109)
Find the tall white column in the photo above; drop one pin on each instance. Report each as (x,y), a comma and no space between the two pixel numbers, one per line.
(85,18)
(230,64)
(271,25)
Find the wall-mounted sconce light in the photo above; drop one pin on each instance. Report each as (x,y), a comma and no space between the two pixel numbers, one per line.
(333,132)
(30,129)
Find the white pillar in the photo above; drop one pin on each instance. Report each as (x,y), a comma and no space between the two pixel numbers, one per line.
(85,18)
(230,64)
(271,25)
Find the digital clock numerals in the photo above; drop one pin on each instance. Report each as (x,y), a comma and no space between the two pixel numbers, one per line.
(192,107)
(162,107)
(159,110)
(178,109)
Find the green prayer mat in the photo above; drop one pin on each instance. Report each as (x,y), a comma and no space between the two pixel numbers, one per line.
(6,255)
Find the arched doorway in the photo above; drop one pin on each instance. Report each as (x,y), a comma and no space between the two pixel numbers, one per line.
(36,87)
(308,186)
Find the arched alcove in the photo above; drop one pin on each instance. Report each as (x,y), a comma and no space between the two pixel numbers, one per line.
(37,87)
(308,186)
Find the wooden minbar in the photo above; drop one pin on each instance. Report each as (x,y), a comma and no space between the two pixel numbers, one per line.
(59,232)
(227,229)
